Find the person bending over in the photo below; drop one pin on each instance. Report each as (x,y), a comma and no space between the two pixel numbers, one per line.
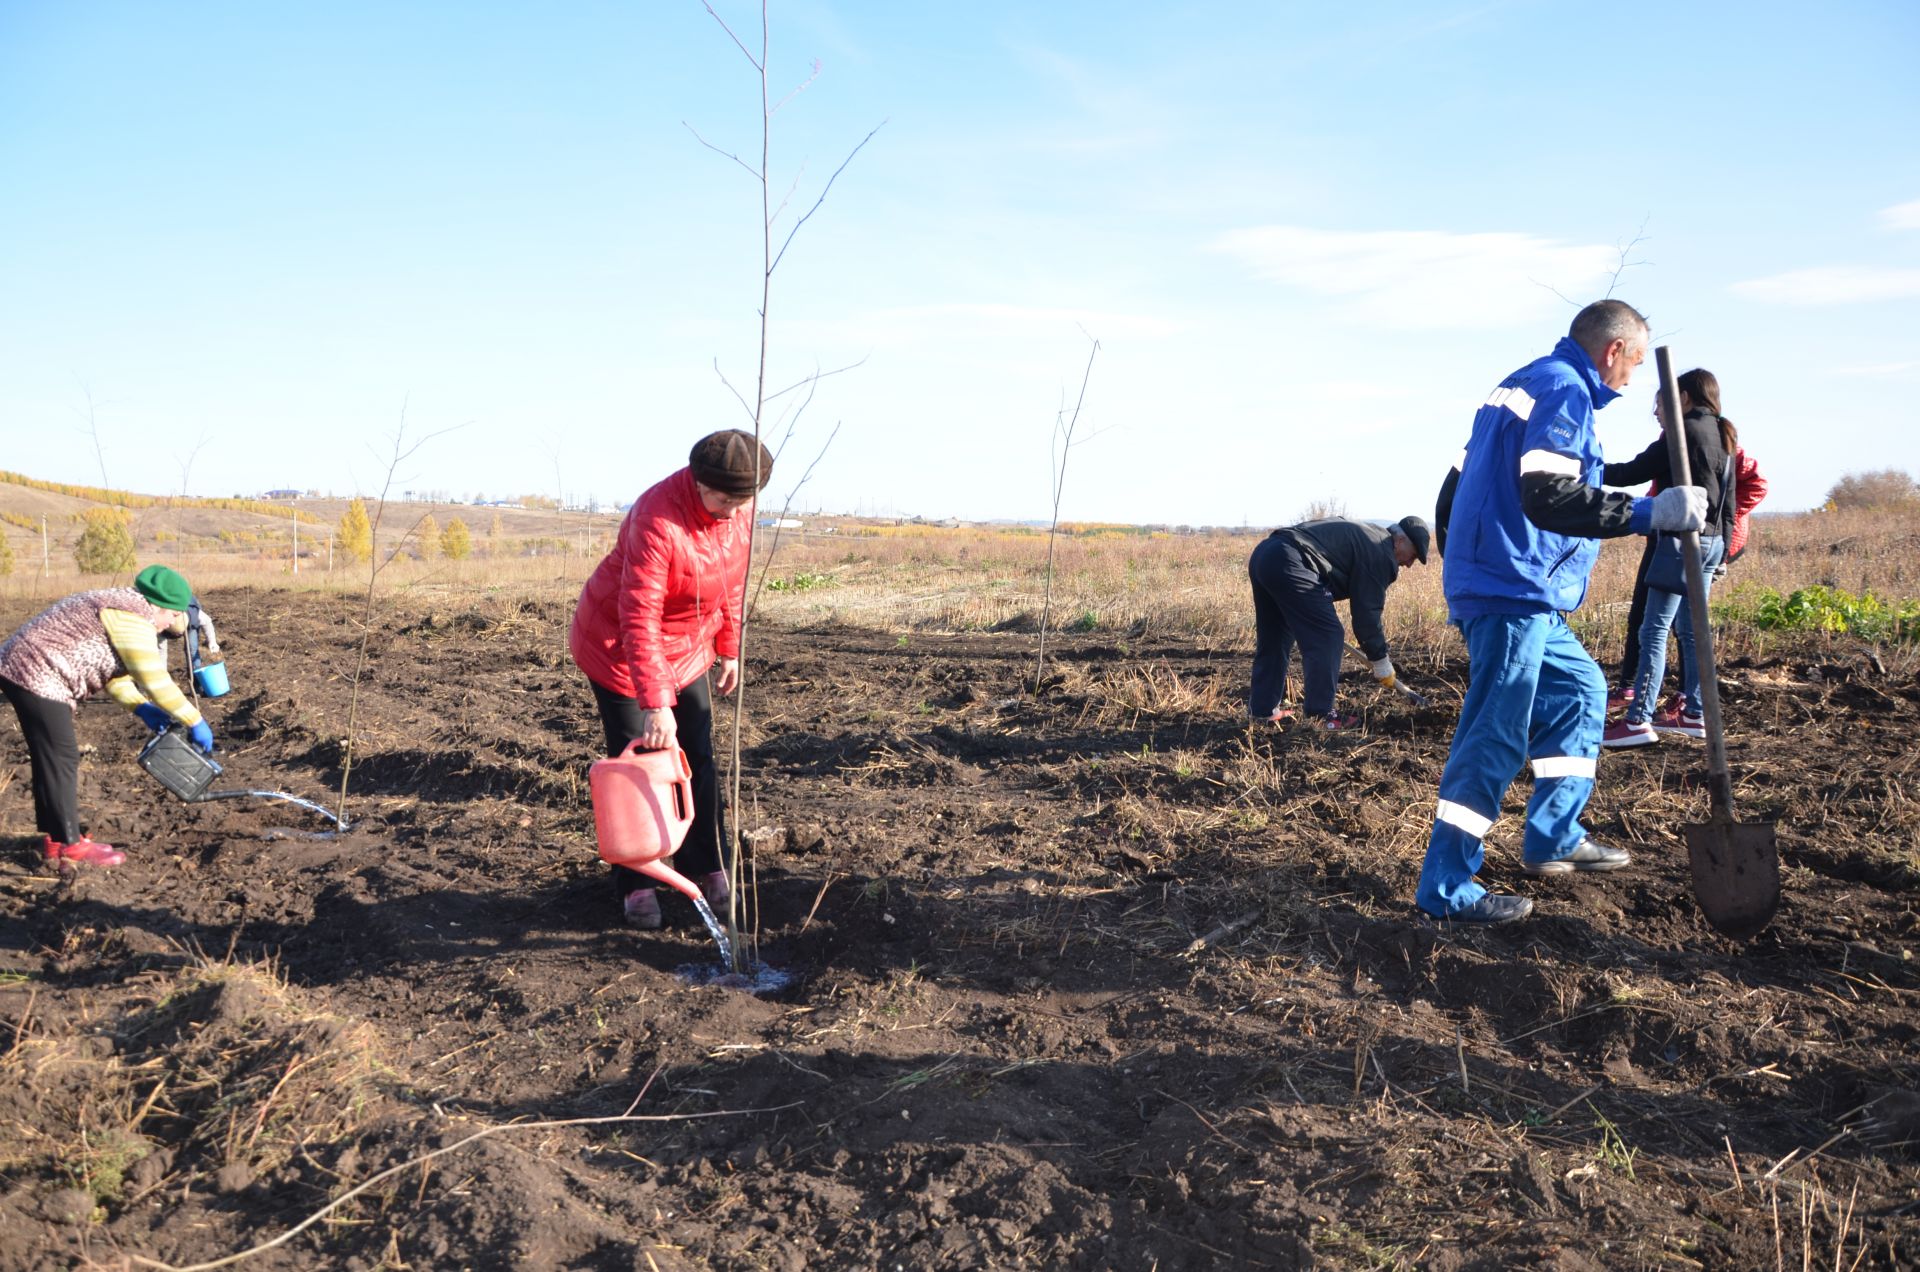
(107,639)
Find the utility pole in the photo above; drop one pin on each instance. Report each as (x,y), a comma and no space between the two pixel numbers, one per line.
(43,548)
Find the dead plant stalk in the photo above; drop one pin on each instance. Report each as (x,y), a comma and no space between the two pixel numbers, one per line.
(401,453)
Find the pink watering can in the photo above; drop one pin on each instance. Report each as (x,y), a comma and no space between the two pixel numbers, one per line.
(642,807)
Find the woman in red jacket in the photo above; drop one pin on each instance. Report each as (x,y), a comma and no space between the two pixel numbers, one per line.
(652,620)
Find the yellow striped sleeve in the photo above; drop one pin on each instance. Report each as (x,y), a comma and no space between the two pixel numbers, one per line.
(138,645)
(121,690)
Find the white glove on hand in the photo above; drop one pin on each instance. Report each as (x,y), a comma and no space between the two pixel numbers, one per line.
(1679,509)
(1383,672)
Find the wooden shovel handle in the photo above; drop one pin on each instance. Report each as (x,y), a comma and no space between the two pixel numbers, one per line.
(1720,783)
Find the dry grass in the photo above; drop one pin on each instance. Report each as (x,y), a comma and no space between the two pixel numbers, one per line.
(1130,585)
(231,1071)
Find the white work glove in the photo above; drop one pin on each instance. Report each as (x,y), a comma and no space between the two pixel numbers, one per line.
(1383,672)
(1679,509)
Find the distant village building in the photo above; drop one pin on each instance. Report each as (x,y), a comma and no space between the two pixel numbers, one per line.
(779,523)
(282,494)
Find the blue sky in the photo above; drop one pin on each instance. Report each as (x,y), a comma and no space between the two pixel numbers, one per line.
(239,238)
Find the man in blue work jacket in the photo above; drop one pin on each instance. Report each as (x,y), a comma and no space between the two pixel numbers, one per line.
(1518,525)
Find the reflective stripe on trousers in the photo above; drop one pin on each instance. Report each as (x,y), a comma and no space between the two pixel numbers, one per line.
(1535,695)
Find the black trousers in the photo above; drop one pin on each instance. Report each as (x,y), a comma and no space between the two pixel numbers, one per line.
(1291,604)
(703,852)
(1636,615)
(54,753)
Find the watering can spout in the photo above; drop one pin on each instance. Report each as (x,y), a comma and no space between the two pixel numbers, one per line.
(672,878)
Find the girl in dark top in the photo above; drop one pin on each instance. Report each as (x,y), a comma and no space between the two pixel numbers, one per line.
(1711,442)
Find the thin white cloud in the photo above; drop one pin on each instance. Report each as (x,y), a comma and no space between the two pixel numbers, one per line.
(1427,279)
(1101,324)
(1878,370)
(1901,216)
(1832,285)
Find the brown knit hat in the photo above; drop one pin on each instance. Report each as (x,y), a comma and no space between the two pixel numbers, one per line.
(724,461)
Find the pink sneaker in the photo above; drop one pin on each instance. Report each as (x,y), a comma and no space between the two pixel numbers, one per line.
(717,890)
(1619,699)
(1335,722)
(1677,719)
(84,851)
(1625,733)
(642,907)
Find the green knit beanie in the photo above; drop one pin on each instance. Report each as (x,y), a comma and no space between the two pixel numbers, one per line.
(164,588)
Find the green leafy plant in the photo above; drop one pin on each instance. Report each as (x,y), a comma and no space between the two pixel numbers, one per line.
(1825,609)
(805,581)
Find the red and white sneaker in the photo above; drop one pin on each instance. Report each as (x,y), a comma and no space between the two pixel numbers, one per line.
(83,851)
(1624,733)
(1620,699)
(1335,722)
(1677,719)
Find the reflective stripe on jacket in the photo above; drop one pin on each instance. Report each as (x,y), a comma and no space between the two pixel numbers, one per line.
(1539,420)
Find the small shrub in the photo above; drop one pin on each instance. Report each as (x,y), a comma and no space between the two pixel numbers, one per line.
(6,557)
(106,545)
(1887,488)
(455,541)
(356,532)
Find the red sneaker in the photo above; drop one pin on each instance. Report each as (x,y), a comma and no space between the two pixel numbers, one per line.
(717,889)
(1623,733)
(1677,719)
(84,851)
(1619,699)
(1334,722)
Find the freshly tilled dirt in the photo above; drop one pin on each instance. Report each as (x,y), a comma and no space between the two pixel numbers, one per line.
(1090,977)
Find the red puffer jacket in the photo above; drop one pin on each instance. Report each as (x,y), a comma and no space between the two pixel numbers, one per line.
(1749,488)
(666,601)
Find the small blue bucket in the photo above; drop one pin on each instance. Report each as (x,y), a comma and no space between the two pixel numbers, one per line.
(211,679)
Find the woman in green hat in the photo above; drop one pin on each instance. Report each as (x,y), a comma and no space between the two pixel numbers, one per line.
(107,639)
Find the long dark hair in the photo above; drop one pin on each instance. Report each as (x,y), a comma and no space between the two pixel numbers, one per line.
(1703,388)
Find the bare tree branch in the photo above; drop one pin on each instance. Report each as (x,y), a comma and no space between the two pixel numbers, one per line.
(802,87)
(401,454)
(766,563)
(815,378)
(758,66)
(1626,250)
(752,417)
(823,197)
(728,154)
(1062,442)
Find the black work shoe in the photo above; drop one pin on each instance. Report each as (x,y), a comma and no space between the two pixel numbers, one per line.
(1588,856)
(1495,907)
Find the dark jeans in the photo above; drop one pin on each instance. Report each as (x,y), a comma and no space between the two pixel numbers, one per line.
(703,851)
(54,753)
(1291,605)
(1636,615)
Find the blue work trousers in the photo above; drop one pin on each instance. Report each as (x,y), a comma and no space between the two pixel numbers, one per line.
(1536,696)
(1291,604)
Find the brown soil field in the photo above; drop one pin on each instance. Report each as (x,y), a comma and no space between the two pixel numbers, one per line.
(1094,977)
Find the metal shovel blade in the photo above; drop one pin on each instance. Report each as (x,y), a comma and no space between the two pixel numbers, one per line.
(1736,874)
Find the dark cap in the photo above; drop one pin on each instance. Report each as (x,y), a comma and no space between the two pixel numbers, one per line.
(724,461)
(1416,529)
